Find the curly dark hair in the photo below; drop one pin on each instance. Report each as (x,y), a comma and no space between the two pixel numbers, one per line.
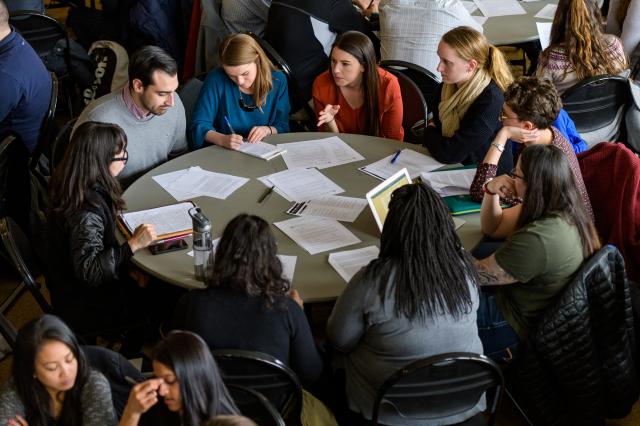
(534,99)
(246,261)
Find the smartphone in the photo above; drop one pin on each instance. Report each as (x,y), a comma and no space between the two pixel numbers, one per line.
(168,246)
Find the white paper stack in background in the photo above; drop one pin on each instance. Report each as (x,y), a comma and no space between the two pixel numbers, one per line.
(335,207)
(301,184)
(491,8)
(450,182)
(263,150)
(547,12)
(317,234)
(196,182)
(544,33)
(348,263)
(469,5)
(413,161)
(319,153)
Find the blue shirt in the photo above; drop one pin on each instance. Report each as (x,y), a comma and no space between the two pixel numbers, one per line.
(565,125)
(25,89)
(219,97)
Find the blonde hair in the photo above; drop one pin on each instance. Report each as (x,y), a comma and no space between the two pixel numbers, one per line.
(242,49)
(470,44)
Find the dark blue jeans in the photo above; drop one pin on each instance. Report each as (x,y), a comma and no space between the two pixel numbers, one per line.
(499,340)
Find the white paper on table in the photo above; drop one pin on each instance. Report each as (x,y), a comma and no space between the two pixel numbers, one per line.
(266,182)
(302,184)
(211,184)
(348,263)
(333,206)
(288,265)
(260,149)
(319,153)
(414,162)
(469,5)
(544,33)
(450,182)
(547,12)
(491,8)
(317,234)
(166,219)
(480,19)
(457,222)
(166,179)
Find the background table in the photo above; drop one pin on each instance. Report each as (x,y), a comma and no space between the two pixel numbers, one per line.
(314,278)
(515,29)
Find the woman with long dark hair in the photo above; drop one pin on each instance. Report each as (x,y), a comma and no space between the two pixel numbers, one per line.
(554,235)
(51,382)
(88,268)
(355,95)
(188,381)
(418,298)
(578,48)
(249,304)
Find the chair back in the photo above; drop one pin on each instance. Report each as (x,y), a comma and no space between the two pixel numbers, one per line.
(266,375)
(595,102)
(41,31)
(46,130)
(189,94)
(422,77)
(414,107)
(8,331)
(60,144)
(23,258)
(254,405)
(439,386)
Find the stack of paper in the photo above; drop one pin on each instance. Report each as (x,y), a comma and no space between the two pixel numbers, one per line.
(347,263)
(491,8)
(413,161)
(450,182)
(167,220)
(196,182)
(262,150)
(301,184)
(333,207)
(316,234)
(319,153)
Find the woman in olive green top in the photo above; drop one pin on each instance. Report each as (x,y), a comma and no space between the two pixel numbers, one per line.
(554,235)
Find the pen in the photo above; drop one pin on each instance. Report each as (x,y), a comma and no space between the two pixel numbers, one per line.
(395,157)
(266,194)
(228,123)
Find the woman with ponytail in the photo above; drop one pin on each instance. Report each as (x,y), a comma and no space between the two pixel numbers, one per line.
(578,49)
(466,118)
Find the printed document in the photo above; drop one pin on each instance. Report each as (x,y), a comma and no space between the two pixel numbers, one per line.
(262,150)
(317,234)
(166,179)
(348,263)
(206,183)
(169,219)
(544,33)
(301,184)
(333,206)
(319,153)
(450,182)
(547,12)
(491,8)
(413,161)
(469,5)
(288,265)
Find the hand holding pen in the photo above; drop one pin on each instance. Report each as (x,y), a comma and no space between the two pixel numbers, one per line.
(232,141)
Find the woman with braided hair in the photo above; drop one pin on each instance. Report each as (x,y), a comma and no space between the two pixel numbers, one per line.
(417,299)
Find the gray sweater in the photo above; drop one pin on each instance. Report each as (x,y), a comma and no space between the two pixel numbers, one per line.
(97,406)
(374,343)
(150,140)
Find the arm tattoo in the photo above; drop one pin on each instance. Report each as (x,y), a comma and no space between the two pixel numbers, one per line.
(491,273)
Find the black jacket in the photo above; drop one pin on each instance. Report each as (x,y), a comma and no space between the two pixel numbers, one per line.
(577,367)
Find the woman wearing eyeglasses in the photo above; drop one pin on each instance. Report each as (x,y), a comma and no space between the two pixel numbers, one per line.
(244,99)
(88,268)
(530,106)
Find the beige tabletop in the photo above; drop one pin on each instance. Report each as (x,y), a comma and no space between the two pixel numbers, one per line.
(314,278)
(508,30)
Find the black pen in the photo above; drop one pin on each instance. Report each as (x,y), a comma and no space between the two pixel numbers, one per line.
(266,194)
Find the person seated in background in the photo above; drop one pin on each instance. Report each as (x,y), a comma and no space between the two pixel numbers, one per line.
(25,91)
(623,20)
(578,49)
(246,98)
(302,32)
(149,111)
(469,100)
(410,30)
(401,308)
(249,304)
(245,15)
(88,269)
(188,381)
(51,382)
(355,95)
(530,104)
(553,236)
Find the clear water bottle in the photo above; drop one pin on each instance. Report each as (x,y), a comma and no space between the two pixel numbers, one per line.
(202,245)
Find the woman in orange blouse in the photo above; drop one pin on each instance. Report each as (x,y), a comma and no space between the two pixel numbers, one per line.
(351,98)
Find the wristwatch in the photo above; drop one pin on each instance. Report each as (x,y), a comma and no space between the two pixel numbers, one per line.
(485,189)
(498,146)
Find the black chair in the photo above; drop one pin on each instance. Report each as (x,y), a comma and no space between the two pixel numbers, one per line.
(8,331)
(60,144)
(46,130)
(440,386)
(298,103)
(42,32)
(594,103)
(422,77)
(266,375)
(414,107)
(189,94)
(254,405)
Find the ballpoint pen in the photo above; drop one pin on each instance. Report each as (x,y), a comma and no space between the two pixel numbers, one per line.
(395,157)
(228,123)
(266,194)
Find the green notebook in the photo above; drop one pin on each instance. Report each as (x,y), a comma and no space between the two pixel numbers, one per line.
(461,204)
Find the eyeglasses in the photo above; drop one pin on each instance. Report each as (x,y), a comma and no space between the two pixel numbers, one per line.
(512,174)
(124,158)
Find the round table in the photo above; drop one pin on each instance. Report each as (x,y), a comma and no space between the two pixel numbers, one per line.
(515,29)
(314,278)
